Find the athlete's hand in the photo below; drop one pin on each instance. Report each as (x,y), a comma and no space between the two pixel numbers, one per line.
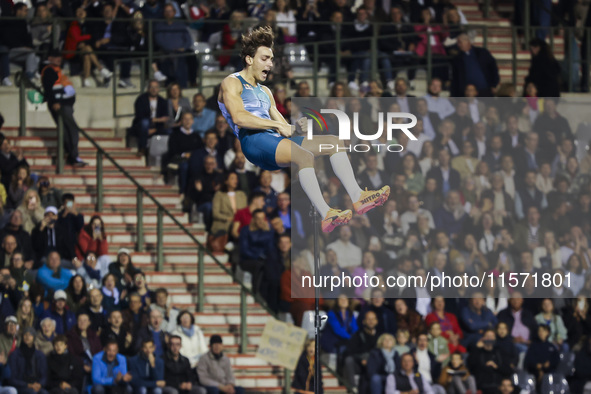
(285,129)
(303,123)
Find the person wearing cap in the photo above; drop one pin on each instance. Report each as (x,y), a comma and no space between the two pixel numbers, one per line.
(28,366)
(45,336)
(64,318)
(51,275)
(60,95)
(9,340)
(215,369)
(47,236)
(123,269)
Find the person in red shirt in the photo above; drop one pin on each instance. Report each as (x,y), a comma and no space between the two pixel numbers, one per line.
(450,329)
(92,238)
(243,216)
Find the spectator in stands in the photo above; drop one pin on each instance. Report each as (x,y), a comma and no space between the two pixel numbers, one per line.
(582,369)
(60,95)
(486,363)
(4,376)
(21,182)
(192,339)
(169,313)
(427,364)
(91,270)
(205,181)
(152,331)
(64,370)
(77,293)
(451,216)
(25,314)
(551,127)
(117,332)
(550,317)
(95,310)
(23,239)
(112,298)
(341,325)
(215,370)
(9,248)
(150,116)
(386,318)
(542,357)
(456,377)
(52,276)
(141,288)
(408,319)
(109,371)
(255,240)
(69,218)
(173,37)
(183,142)
(476,318)
(544,69)
(49,196)
(64,318)
(305,373)
(45,336)
(440,105)
(473,66)
(48,236)
(17,38)
(528,195)
(520,322)
(178,372)
(204,118)
(123,270)
(28,367)
(147,370)
(450,329)
(177,105)
(11,158)
(226,203)
(382,361)
(358,347)
(243,217)
(9,340)
(348,254)
(93,239)
(30,207)
(406,379)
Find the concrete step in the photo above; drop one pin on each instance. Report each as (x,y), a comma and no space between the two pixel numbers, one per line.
(51,142)
(171,238)
(91,170)
(164,279)
(52,132)
(124,161)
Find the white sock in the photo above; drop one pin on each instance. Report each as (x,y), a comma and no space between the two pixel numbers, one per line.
(311,187)
(343,170)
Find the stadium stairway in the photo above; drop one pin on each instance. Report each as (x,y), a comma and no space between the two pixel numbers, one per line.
(222,297)
(499,37)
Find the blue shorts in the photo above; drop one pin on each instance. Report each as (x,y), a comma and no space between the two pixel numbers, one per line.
(259,147)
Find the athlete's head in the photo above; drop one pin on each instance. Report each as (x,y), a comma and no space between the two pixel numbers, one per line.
(257,52)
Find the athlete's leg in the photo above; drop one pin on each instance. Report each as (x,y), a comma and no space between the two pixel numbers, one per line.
(287,151)
(329,145)
(363,201)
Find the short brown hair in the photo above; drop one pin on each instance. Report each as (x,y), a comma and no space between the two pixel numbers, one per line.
(260,37)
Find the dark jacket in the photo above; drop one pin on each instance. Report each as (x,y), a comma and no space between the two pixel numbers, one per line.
(337,331)
(539,353)
(97,320)
(527,318)
(360,344)
(15,33)
(390,44)
(435,365)
(177,371)
(48,78)
(63,323)
(386,319)
(487,376)
(76,348)
(18,368)
(143,374)
(142,109)
(545,74)
(107,334)
(64,368)
(303,379)
(146,333)
(582,370)
(23,240)
(72,224)
(62,243)
(254,245)
(179,142)
(454,178)
(376,364)
(7,166)
(130,324)
(488,66)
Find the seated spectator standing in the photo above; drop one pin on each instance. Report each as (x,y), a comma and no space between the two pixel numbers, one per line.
(52,276)
(109,371)
(486,364)
(150,116)
(64,370)
(28,367)
(382,361)
(178,372)
(255,241)
(64,318)
(183,142)
(174,38)
(48,236)
(69,218)
(147,370)
(226,202)
(153,332)
(60,95)
(358,348)
(582,377)
(215,370)
(204,118)
(83,342)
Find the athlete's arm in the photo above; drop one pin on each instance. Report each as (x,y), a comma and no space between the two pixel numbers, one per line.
(231,89)
(274,112)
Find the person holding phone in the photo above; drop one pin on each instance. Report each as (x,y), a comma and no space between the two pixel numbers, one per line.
(48,236)
(69,218)
(92,238)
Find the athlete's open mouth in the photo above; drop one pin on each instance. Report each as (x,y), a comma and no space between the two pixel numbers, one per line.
(266,72)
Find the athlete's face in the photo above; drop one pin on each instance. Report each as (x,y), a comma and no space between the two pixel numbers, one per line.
(262,63)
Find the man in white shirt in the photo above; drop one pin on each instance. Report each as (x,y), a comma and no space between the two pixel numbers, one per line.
(428,366)
(348,254)
(414,210)
(442,106)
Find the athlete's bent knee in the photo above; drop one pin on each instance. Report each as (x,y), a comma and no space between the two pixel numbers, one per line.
(304,159)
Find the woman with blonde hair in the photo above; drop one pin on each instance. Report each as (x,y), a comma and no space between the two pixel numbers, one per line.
(305,372)
(382,361)
(19,184)
(31,210)
(25,315)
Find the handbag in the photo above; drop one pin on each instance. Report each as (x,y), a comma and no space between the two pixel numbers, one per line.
(217,243)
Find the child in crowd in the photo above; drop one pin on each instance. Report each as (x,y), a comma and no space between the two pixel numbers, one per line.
(438,345)
(456,378)
(402,341)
